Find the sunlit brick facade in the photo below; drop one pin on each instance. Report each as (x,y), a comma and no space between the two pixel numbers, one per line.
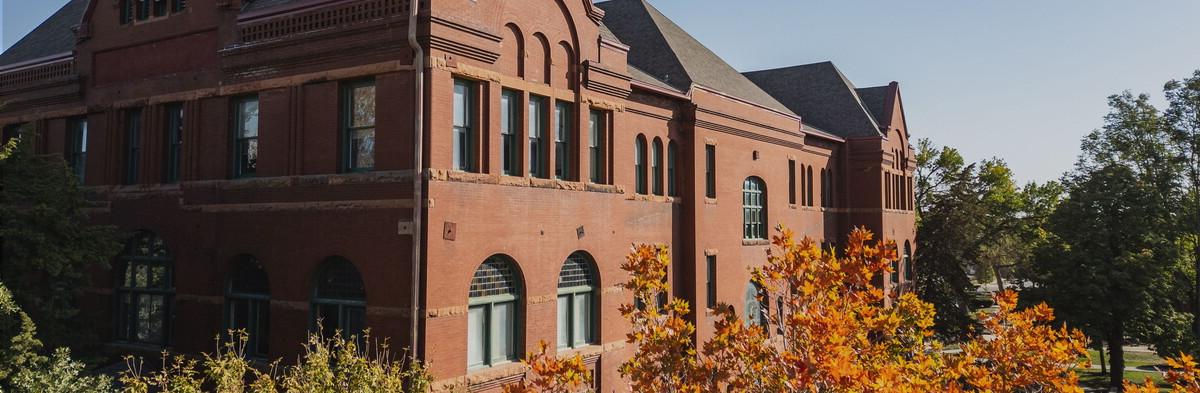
(261,157)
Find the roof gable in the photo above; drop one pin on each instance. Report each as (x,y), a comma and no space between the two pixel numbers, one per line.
(56,35)
(822,96)
(668,53)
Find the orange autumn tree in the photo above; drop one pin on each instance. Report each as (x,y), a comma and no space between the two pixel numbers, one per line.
(833,333)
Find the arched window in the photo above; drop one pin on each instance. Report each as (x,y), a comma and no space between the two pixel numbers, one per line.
(754,208)
(145,291)
(248,302)
(908,267)
(656,163)
(672,176)
(824,189)
(577,301)
(492,314)
(810,186)
(639,164)
(340,299)
(757,306)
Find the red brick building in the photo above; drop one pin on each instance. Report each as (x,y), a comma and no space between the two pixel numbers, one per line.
(261,155)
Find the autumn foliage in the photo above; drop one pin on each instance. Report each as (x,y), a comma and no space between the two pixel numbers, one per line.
(835,332)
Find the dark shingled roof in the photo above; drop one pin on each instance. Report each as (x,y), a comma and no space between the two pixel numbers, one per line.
(822,96)
(664,50)
(873,98)
(54,36)
(607,34)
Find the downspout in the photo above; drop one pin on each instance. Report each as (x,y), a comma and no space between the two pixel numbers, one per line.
(418,62)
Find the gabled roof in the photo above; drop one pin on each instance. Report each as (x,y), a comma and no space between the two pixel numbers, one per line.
(54,36)
(822,96)
(875,99)
(664,50)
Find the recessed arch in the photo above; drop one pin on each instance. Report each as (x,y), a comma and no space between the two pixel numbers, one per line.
(564,66)
(639,164)
(754,208)
(512,57)
(339,300)
(578,301)
(538,63)
(656,166)
(494,312)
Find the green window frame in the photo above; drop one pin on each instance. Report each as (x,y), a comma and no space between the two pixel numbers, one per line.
(710,280)
(710,171)
(77,147)
(656,164)
(577,302)
(510,132)
(597,127)
(358,126)
(639,164)
(248,304)
(754,208)
(174,142)
(538,162)
(133,144)
(792,182)
(145,291)
(465,113)
(672,164)
(493,314)
(339,302)
(563,116)
(245,136)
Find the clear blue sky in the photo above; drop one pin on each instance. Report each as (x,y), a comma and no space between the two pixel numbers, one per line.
(1022,80)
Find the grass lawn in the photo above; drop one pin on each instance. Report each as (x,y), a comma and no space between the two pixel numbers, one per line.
(1132,359)
(1093,379)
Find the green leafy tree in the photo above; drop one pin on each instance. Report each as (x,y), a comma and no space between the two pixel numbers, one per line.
(24,370)
(1111,242)
(46,243)
(1183,126)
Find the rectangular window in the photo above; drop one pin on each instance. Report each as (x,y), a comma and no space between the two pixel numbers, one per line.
(537,136)
(178,5)
(510,131)
(564,321)
(133,143)
(710,282)
(672,156)
(562,140)
(504,346)
(596,128)
(77,146)
(710,171)
(464,125)
(174,141)
(160,8)
(245,137)
(476,337)
(143,9)
(792,182)
(358,127)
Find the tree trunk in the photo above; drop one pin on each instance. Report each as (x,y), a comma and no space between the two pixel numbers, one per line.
(999,280)
(1116,370)
(1103,365)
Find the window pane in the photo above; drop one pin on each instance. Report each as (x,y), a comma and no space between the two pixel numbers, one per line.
(249,118)
(363,99)
(503,326)
(363,148)
(582,319)
(509,128)
(330,319)
(462,97)
(475,335)
(260,335)
(150,318)
(355,321)
(564,321)
(248,156)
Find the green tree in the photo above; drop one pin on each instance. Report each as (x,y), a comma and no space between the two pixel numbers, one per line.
(971,216)
(24,370)
(46,243)
(1111,242)
(1183,125)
